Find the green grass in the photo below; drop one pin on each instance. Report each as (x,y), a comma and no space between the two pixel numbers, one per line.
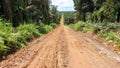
(88,28)
(105,30)
(114,37)
(82,26)
(77,26)
(12,39)
(43,28)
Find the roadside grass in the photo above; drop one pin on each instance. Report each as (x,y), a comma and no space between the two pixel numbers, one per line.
(12,39)
(111,36)
(105,30)
(43,28)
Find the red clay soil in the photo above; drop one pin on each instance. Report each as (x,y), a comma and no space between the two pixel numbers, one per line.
(63,48)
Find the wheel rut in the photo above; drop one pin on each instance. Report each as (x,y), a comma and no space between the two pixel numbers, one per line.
(61,48)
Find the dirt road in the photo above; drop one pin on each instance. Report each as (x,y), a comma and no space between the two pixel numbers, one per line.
(63,48)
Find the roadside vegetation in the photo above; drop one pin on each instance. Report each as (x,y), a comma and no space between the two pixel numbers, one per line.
(68,16)
(13,38)
(108,31)
(24,20)
(101,17)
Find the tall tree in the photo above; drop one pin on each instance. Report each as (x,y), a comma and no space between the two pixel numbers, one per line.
(42,10)
(18,11)
(53,14)
(101,10)
(5,8)
(82,7)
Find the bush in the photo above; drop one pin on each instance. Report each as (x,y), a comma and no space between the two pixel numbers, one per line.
(53,25)
(44,28)
(88,28)
(48,28)
(28,31)
(85,27)
(15,41)
(11,40)
(79,26)
(111,36)
(71,26)
(3,49)
(106,30)
(5,31)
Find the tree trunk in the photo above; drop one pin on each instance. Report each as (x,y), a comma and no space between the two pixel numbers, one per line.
(118,17)
(7,9)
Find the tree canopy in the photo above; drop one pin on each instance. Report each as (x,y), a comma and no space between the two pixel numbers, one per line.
(17,11)
(99,10)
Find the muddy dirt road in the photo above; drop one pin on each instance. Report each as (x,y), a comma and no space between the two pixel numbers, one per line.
(63,48)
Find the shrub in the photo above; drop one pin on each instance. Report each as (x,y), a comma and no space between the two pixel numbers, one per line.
(88,27)
(11,40)
(3,48)
(111,36)
(28,31)
(48,28)
(79,26)
(44,28)
(105,30)
(41,28)
(53,25)
(15,41)
(71,26)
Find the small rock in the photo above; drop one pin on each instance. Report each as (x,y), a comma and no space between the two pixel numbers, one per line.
(81,52)
(118,52)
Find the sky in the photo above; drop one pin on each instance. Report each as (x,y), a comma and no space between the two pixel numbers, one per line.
(64,5)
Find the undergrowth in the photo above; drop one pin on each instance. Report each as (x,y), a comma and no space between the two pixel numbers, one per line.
(12,39)
(105,30)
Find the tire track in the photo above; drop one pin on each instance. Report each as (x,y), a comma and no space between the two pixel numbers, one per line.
(61,48)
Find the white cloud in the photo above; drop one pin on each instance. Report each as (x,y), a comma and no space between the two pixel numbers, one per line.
(64,5)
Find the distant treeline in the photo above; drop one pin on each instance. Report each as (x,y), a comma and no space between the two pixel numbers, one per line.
(68,15)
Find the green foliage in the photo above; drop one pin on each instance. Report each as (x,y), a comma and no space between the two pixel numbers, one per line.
(82,7)
(45,28)
(100,10)
(85,27)
(53,14)
(12,39)
(53,25)
(88,27)
(3,48)
(106,30)
(68,15)
(106,27)
(79,26)
(48,28)
(111,36)
(18,11)
(5,28)
(15,41)
(28,31)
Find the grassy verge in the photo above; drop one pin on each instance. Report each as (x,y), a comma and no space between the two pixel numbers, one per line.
(105,30)
(12,39)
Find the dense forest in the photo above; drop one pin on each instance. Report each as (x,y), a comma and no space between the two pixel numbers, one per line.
(102,17)
(98,10)
(24,20)
(17,11)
